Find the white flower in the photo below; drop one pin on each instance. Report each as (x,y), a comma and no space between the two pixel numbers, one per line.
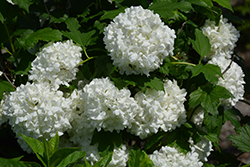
(10,1)
(160,109)
(203,148)
(120,156)
(233,80)
(197,116)
(138,41)
(222,37)
(36,111)
(56,63)
(106,107)
(1,73)
(172,157)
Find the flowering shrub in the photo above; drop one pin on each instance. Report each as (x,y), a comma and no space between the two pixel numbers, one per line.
(121,82)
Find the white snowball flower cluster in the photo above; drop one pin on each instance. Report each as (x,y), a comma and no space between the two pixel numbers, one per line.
(138,41)
(120,156)
(172,157)
(164,110)
(203,148)
(197,116)
(107,107)
(222,37)
(56,63)
(233,80)
(37,111)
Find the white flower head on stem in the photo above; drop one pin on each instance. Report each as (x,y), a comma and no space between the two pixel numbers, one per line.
(138,41)
(233,79)
(222,37)
(37,111)
(56,63)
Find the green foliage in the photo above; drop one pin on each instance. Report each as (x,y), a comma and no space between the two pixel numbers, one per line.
(138,158)
(209,97)
(49,154)
(107,140)
(5,86)
(210,71)
(201,43)
(242,141)
(83,39)
(24,4)
(27,26)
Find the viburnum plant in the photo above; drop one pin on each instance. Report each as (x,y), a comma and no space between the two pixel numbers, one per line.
(121,82)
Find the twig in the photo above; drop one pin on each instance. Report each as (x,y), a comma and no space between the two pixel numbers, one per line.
(228,67)
(182,26)
(6,77)
(49,14)
(8,80)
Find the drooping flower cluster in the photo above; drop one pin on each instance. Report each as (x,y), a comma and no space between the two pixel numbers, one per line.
(197,116)
(164,110)
(138,41)
(37,111)
(171,156)
(233,80)
(120,156)
(56,63)
(222,37)
(203,148)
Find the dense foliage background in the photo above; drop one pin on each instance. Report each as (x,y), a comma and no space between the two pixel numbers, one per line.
(29,25)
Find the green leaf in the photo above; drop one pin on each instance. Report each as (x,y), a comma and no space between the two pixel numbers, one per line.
(11,163)
(201,43)
(46,154)
(104,162)
(24,4)
(156,84)
(82,39)
(18,158)
(210,71)
(230,115)
(107,139)
(31,164)
(204,3)
(213,123)
(242,141)
(213,138)
(21,35)
(2,18)
(165,67)
(36,145)
(5,86)
(46,34)
(61,154)
(210,103)
(53,144)
(153,140)
(86,163)
(71,158)
(138,158)
(209,96)
(112,13)
(58,20)
(225,3)
(165,9)
(196,97)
